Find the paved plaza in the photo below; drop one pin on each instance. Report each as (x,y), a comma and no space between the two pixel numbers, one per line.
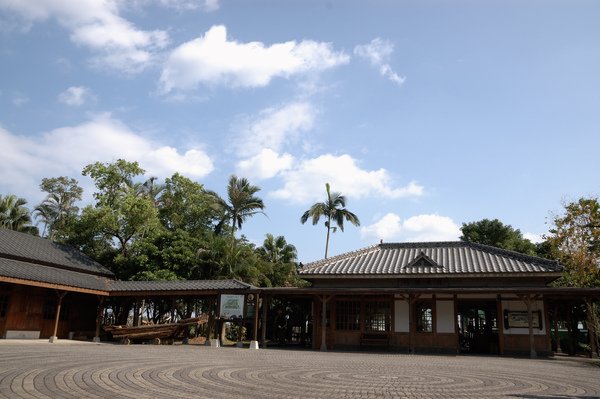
(85,370)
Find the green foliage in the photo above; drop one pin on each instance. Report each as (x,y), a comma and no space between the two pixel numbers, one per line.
(14,215)
(146,230)
(112,179)
(333,209)
(241,203)
(497,234)
(58,211)
(186,205)
(575,240)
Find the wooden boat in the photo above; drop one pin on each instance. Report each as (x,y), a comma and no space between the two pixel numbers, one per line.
(156,332)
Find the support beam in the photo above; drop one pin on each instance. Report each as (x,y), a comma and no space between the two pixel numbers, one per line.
(263,321)
(324,300)
(254,342)
(528,301)
(500,324)
(591,325)
(556,332)
(99,312)
(60,295)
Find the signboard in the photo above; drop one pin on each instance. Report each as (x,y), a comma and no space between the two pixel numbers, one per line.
(232,307)
(521,319)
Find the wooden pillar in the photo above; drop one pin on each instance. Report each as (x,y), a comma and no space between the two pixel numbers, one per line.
(556,332)
(255,335)
(456,326)
(99,312)
(60,295)
(411,322)
(591,326)
(528,302)
(500,324)
(263,321)
(324,300)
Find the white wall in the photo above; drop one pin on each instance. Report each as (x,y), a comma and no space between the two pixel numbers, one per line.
(521,307)
(444,311)
(401,316)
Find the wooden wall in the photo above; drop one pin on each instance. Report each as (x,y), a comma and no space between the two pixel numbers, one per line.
(26,305)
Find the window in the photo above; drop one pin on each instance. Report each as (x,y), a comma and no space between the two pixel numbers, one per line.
(3,305)
(424,315)
(377,316)
(347,315)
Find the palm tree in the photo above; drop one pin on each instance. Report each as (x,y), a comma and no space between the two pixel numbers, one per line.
(59,206)
(333,209)
(241,203)
(277,250)
(15,216)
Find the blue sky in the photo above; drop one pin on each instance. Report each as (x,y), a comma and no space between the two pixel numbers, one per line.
(425,114)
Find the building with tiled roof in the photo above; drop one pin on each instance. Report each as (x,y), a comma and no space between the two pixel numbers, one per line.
(40,279)
(456,297)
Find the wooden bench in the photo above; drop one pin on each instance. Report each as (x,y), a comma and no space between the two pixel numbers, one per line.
(374,339)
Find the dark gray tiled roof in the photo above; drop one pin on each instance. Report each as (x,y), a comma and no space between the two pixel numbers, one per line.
(32,249)
(449,258)
(178,285)
(47,274)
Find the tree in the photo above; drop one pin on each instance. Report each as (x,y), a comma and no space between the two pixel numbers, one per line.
(497,234)
(575,240)
(277,250)
(241,203)
(58,210)
(14,215)
(119,213)
(280,268)
(184,204)
(333,209)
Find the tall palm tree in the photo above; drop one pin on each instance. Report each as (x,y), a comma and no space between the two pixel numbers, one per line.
(15,216)
(277,250)
(241,203)
(333,209)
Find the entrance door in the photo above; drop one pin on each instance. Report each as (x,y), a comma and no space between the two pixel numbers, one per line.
(478,327)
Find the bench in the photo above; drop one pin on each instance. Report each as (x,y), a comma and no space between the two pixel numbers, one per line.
(374,339)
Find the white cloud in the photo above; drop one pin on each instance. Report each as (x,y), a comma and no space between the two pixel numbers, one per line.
(265,165)
(97,25)
(66,150)
(214,60)
(19,99)
(386,228)
(188,5)
(534,238)
(306,181)
(428,227)
(276,126)
(74,96)
(378,53)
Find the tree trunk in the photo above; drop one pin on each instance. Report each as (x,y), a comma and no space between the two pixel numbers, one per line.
(327,241)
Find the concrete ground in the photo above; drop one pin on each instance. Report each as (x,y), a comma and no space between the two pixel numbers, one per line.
(70,369)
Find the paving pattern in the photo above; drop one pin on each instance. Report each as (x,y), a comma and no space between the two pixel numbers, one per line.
(85,370)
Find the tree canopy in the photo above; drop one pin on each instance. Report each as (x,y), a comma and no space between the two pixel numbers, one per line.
(497,234)
(143,228)
(575,241)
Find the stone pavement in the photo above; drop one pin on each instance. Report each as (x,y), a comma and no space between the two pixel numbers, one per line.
(86,370)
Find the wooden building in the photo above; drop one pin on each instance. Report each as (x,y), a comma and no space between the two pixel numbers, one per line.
(456,297)
(53,291)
